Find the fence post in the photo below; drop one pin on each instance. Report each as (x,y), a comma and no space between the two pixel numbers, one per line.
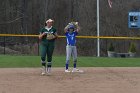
(38,46)
(4,44)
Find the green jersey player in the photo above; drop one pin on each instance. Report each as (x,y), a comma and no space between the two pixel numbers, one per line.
(47,37)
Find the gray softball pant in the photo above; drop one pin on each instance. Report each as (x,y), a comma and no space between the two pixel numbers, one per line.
(71,51)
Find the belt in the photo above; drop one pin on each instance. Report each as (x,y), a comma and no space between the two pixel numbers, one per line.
(70,45)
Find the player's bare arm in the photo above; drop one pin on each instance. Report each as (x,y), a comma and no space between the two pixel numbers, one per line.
(77,27)
(56,35)
(41,35)
(66,29)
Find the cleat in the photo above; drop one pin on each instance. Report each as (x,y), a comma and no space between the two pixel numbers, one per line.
(77,70)
(42,73)
(48,71)
(43,70)
(67,71)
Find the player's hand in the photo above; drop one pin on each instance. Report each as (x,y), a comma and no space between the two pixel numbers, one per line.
(41,35)
(44,33)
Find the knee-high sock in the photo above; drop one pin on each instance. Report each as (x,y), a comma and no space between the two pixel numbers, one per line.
(67,64)
(49,64)
(75,64)
(43,63)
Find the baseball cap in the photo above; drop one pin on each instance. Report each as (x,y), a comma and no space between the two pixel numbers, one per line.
(71,26)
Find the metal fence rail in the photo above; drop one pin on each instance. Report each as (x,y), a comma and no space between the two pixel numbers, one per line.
(95,37)
(29,44)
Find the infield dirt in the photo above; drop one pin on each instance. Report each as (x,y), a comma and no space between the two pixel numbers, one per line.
(93,80)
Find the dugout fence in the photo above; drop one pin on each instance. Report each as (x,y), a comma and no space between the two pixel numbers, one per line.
(13,44)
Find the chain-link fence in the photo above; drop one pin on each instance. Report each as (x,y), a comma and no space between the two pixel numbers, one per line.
(19,45)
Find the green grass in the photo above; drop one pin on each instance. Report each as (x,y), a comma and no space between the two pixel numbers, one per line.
(7,61)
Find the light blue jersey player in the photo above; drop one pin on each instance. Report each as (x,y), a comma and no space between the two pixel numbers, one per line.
(71,49)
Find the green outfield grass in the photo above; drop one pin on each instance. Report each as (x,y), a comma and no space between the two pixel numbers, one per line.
(7,61)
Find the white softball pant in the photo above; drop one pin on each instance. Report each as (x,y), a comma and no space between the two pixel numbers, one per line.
(71,51)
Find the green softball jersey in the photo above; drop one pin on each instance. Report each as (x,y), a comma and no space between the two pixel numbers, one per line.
(51,31)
